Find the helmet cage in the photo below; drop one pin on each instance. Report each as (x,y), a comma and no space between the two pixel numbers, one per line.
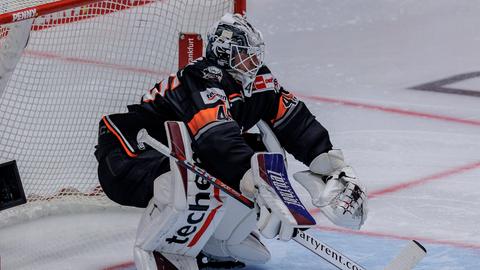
(246,60)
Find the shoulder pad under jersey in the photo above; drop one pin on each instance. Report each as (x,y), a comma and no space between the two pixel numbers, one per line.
(202,69)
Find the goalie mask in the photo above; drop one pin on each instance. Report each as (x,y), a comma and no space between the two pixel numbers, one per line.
(235,44)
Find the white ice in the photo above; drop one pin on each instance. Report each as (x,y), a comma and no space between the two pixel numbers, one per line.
(366,52)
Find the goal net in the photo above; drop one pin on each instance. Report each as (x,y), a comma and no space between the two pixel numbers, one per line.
(81,62)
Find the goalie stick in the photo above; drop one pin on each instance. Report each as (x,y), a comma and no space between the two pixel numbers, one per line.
(406,260)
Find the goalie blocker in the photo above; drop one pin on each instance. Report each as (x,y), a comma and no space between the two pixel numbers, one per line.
(280,209)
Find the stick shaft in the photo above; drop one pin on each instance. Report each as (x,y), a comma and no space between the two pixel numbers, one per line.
(326,252)
(144,137)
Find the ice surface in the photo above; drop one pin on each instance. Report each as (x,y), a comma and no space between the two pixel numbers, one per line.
(366,52)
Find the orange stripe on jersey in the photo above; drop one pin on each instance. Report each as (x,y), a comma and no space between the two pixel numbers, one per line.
(234,95)
(114,132)
(281,110)
(202,118)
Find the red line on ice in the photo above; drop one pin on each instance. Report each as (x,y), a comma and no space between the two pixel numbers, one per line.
(472,246)
(423,180)
(391,110)
(316,98)
(377,193)
(67,59)
(122,266)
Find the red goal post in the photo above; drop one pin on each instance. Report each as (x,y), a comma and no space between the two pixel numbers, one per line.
(84,59)
(191,44)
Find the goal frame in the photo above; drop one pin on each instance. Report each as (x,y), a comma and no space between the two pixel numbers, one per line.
(190,44)
(190,47)
(240,6)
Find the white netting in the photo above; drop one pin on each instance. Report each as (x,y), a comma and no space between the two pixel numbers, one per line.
(80,64)
(13,5)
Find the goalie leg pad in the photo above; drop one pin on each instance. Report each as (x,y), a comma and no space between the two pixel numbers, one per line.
(161,213)
(159,218)
(250,250)
(234,237)
(146,260)
(182,215)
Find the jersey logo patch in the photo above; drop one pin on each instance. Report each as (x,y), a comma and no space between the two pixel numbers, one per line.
(212,95)
(212,73)
(265,82)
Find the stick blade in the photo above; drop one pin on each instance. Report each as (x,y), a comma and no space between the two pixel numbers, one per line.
(410,256)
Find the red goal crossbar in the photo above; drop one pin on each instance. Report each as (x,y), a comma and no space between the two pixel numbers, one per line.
(40,10)
(45,9)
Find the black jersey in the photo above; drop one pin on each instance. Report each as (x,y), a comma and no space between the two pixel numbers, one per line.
(212,105)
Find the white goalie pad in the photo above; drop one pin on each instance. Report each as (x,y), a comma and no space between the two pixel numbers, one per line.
(184,212)
(235,236)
